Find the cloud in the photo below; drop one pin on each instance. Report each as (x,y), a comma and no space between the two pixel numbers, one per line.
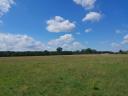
(67,38)
(15,42)
(88,30)
(5,6)
(67,42)
(87,4)
(125,40)
(59,24)
(121,31)
(116,45)
(93,17)
(118,31)
(73,46)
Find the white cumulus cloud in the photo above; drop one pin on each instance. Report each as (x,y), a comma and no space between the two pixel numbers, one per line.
(125,41)
(67,38)
(88,4)
(59,24)
(67,42)
(15,42)
(93,17)
(5,6)
(18,42)
(88,30)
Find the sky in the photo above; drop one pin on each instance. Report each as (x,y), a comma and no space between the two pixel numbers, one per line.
(37,25)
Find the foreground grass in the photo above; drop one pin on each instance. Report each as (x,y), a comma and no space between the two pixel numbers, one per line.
(89,75)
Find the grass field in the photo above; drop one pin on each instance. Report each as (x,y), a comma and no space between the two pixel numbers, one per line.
(85,75)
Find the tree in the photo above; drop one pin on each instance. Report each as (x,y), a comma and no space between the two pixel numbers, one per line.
(121,51)
(46,52)
(59,50)
(88,51)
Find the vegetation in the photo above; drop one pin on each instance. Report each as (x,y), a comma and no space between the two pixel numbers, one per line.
(75,75)
(59,51)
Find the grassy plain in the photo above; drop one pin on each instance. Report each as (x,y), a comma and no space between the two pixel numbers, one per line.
(81,75)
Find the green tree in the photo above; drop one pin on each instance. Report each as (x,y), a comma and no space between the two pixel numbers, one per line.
(59,50)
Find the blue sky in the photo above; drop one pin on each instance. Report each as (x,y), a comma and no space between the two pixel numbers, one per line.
(27,25)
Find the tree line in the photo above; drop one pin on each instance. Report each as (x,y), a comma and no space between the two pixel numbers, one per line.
(59,51)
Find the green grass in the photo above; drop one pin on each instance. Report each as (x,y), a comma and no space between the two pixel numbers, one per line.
(86,75)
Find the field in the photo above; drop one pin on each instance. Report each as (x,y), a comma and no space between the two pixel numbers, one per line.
(82,75)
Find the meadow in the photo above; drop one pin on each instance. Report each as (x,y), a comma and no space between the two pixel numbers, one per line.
(78,75)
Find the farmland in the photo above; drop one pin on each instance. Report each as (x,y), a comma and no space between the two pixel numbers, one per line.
(78,75)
